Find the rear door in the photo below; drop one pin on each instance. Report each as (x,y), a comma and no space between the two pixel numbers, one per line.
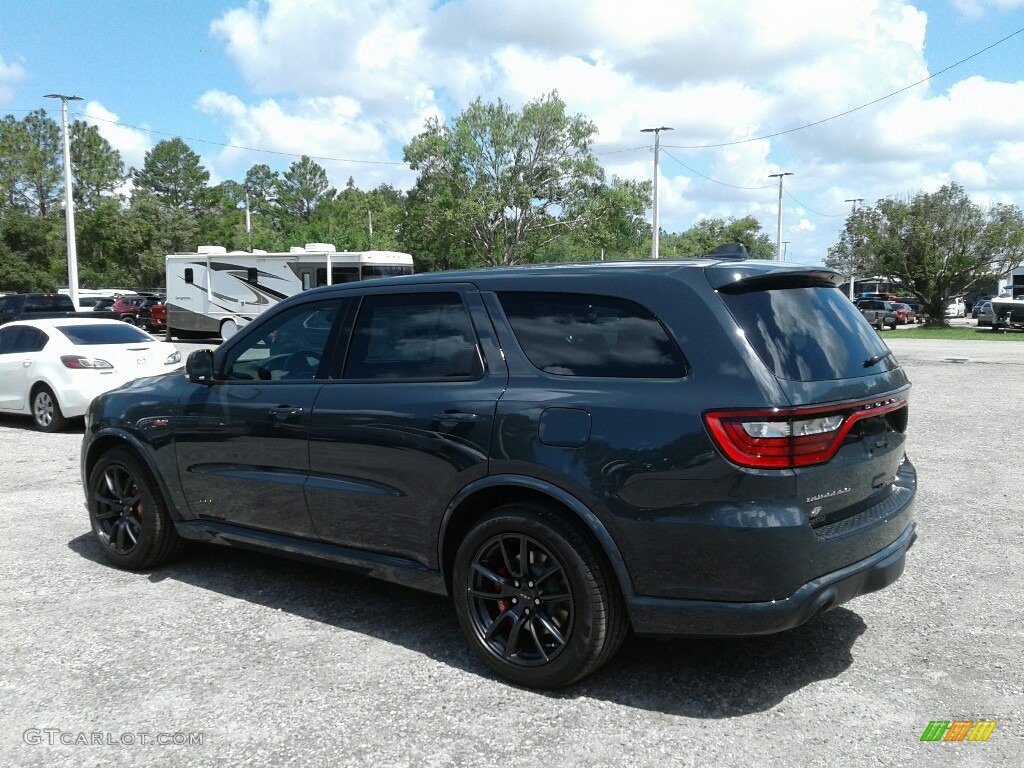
(19,350)
(408,421)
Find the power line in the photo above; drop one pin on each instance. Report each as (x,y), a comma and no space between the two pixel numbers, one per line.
(708,178)
(849,111)
(816,213)
(238,146)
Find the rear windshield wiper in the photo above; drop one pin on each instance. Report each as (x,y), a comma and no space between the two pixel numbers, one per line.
(876,359)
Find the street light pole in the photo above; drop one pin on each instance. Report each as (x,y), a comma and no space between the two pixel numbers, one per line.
(853,200)
(657,133)
(69,205)
(778,239)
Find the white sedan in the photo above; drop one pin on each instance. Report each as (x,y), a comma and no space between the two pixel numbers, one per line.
(53,368)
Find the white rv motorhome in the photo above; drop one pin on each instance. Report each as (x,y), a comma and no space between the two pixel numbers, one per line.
(213,293)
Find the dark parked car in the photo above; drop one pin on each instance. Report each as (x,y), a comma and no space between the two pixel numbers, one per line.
(978,304)
(152,315)
(879,313)
(706,447)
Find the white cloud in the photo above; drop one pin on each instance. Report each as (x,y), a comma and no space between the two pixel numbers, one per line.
(133,144)
(334,131)
(357,79)
(9,75)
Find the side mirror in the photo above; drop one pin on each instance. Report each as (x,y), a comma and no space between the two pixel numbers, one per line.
(199,366)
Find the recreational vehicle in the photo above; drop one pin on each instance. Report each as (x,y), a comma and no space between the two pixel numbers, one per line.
(213,293)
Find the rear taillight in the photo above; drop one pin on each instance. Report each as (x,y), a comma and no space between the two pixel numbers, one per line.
(77,361)
(784,438)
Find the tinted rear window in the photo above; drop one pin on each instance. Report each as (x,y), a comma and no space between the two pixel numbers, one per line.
(49,303)
(808,334)
(104,333)
(575,334)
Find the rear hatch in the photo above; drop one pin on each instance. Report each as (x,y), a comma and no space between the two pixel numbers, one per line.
(842,429)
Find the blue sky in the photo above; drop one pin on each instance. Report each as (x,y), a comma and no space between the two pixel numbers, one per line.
(354,80)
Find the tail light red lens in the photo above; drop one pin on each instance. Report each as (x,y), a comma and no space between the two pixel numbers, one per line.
(77,361)
(785,438)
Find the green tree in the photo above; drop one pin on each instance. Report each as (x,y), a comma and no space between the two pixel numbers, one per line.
(261,186)
(615,224)
(708,234)
(497,183)
(37,154)
(938,245)
(12,153)
(302,187)
(96,166)
(173,174)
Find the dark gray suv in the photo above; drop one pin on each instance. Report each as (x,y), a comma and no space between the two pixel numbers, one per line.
(700,447)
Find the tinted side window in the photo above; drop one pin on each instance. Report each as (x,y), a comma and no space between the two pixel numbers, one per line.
(413,336)
(291,347)
(573,334)
(7,339)
(22,339)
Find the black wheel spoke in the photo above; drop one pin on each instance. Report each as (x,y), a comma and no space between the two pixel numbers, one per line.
(537,641)
(492,630)
(512,644)
(524,557)
(107,511)
(505,558)
(559,597)
(484,594)
(556,568)
(491,576)
(552,630)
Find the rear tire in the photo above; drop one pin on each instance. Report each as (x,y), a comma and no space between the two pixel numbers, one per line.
(46,412)
(128,514)
(535,600)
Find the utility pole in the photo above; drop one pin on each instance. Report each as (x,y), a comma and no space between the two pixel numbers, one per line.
(69,205)
(778,239)
(785,248)
(853,200)
(657,134)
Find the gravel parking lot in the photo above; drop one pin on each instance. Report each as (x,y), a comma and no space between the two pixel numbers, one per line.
(228,658)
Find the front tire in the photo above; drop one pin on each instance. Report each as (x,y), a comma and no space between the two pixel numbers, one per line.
(128,514)
(46,412)
(534,599)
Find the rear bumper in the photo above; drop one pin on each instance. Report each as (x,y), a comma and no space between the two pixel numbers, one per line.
(655,616)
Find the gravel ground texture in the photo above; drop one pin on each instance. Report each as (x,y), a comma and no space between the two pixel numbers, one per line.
(233,659)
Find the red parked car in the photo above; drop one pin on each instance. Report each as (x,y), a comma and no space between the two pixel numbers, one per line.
(905,314)
(127,308)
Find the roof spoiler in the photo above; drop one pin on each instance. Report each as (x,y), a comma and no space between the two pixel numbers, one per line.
(731,251)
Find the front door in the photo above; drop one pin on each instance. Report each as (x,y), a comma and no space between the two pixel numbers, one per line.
(242,443)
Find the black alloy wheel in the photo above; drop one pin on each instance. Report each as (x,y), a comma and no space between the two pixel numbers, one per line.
(129,517)
(534,599)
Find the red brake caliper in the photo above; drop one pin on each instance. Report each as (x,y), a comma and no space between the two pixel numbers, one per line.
(503,605)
